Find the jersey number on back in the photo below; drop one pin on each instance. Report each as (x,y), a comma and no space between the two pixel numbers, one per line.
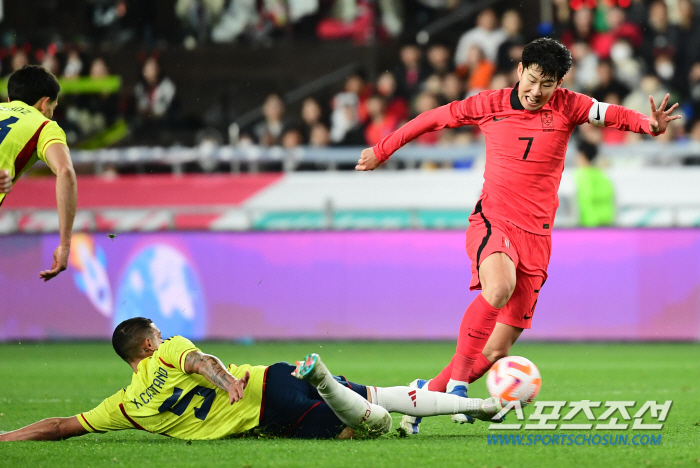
(5,127)
(172,405)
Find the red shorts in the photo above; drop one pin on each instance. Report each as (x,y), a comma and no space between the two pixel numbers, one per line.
(530,254)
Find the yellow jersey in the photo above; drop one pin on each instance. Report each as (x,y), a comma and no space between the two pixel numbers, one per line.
(24,136)
(164,399)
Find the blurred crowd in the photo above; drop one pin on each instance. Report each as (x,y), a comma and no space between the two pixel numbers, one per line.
(621,56)
(623,51)
(88,117)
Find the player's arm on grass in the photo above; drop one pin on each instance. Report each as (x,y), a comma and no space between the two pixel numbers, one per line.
(58,159)
(47,429)
(611,115)
(452,115)
(212,369)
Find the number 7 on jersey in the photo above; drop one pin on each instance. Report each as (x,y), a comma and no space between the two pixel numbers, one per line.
(529,144)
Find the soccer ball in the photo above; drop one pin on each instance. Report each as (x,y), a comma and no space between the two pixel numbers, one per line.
(514,378)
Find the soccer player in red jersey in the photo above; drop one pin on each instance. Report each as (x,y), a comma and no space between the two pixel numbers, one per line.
(527,129)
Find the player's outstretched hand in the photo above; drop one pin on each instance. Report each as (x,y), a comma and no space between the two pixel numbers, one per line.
(235,391)
(368,161)
(5,181)
(659,118)
(60,262)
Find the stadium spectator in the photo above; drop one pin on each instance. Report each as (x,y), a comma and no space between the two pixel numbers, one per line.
(580,29)
(237,18)
(438,56)
(510,51)
(689,26)
(52,64)
(311,114)
(292,138)
(618,28)
(112,21)
(453,88)
(396,105)
(269,131)
(154,93)
(199,16)
(477,70)
(694,90)
(410,72)
(608,83)
(74,65)
(424,102)
(154,97)
(486,35)
(660,36)
(19,59)
(381,123)
(628,69)
(357,84)
(595,194)
(356,20)
(638,99)
(500,81)
(92,114)
(320,137)
(346,127)
(586,75)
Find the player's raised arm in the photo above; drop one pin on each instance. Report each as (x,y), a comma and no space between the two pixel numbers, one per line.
(47,429)
(660,118)
(212,369)
(611,115)
(58,158)
(454,114)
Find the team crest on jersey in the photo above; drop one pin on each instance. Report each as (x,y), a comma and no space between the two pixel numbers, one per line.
(547,120)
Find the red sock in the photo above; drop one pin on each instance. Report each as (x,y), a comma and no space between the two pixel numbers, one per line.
(439,382)
(478,323)
(480,367)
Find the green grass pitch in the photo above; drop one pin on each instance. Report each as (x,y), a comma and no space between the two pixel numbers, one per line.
(39,380)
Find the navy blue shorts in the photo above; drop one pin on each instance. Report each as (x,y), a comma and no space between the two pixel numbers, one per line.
(293,407)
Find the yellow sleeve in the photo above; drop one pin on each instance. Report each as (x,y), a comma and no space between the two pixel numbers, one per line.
(174,350)
(50,134)
(107,416)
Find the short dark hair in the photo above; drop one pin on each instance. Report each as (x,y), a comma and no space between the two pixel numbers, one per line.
(31,83)
(129,335)
(588,149)
(549,55)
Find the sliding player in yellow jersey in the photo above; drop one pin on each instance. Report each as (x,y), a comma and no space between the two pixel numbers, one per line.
(27,134)
(178,391)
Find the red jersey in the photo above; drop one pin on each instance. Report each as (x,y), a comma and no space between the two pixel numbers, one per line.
(525,150)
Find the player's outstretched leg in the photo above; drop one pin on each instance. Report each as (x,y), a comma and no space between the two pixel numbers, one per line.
(419,403)
(351,408)
(411,424)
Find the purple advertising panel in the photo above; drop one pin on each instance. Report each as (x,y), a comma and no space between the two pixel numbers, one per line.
(603,285)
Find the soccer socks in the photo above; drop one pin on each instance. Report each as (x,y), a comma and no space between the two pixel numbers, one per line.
(439,382)
(481,366)
(478,323)
(350,407)
(418,402)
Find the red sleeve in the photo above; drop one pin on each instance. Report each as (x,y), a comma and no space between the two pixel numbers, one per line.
(628,120)
(455,114)
(580,108)
(587,109)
